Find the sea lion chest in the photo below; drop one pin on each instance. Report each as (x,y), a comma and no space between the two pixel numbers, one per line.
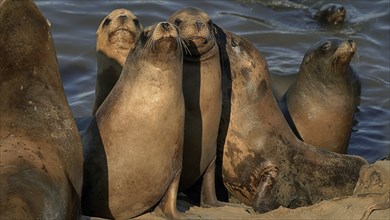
(203,104)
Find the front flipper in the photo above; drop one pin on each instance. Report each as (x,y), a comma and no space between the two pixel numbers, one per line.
(263,201)
(167,205)
(208,197)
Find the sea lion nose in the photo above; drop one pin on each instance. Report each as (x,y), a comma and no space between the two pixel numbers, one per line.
(198,25)
(122,18)
(341,9)
(165,25)
(352,44)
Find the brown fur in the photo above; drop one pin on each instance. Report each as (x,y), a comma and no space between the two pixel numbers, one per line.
(40,148)
(323,99)
(202,93)
(264,165)
(331,13)
(115,37)
(134,144)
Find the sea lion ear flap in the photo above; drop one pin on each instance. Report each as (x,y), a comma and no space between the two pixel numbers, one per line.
(48,23)
(137,24)
(215,31)
(307,59)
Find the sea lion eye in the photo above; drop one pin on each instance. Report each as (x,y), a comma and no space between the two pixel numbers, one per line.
(178,21)
(209,23)
(136,23)
(146,33)
(326,46)
(106,22)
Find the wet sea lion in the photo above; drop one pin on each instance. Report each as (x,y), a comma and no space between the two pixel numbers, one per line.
(133,147)
(202,94)
(115,37)
(321,103)
(40,148)
(331,13)
(264,165)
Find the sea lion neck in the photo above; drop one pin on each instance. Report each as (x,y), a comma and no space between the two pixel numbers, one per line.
(212,52)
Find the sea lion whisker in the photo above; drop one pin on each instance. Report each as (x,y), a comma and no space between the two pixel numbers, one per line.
(178,42)
(186,40)
(149,47)
(184,45)
(355,64)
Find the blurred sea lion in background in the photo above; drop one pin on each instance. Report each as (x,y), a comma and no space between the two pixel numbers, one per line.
(41,158)
(331,13)
(115,37)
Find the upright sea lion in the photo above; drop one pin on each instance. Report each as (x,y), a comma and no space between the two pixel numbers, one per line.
(40,148)
(202,94)
(133,146)
(321,103)
(264,165)
(115,37)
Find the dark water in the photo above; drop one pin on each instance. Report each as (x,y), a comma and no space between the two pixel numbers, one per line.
(281,30)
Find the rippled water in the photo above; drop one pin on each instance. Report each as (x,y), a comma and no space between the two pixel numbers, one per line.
(281,30)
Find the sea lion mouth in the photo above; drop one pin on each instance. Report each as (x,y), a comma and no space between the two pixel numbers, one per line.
(196,42)
(122,37)
(164,35)
(344,57)
(165,38)
(346,50)
(338,18)
(347,54)
(120,31)
(164,31)
(198,38)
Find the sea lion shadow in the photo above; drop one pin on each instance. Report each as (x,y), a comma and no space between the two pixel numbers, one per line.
(193,192)
(226,82)
(106,80)
(93,148)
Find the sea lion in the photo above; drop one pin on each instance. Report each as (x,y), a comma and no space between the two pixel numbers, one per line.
(40,148)
(133,146)
(321,103)
(264,164)
(115,37)
(331,13)
(203,100)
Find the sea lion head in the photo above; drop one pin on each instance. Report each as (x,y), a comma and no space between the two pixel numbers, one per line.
(159,41)
(196,28)
(329,56)
(118,32)
(331,13)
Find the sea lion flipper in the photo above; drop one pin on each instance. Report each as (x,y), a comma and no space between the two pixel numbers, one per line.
(208,195)
(263,201)
(167,205)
